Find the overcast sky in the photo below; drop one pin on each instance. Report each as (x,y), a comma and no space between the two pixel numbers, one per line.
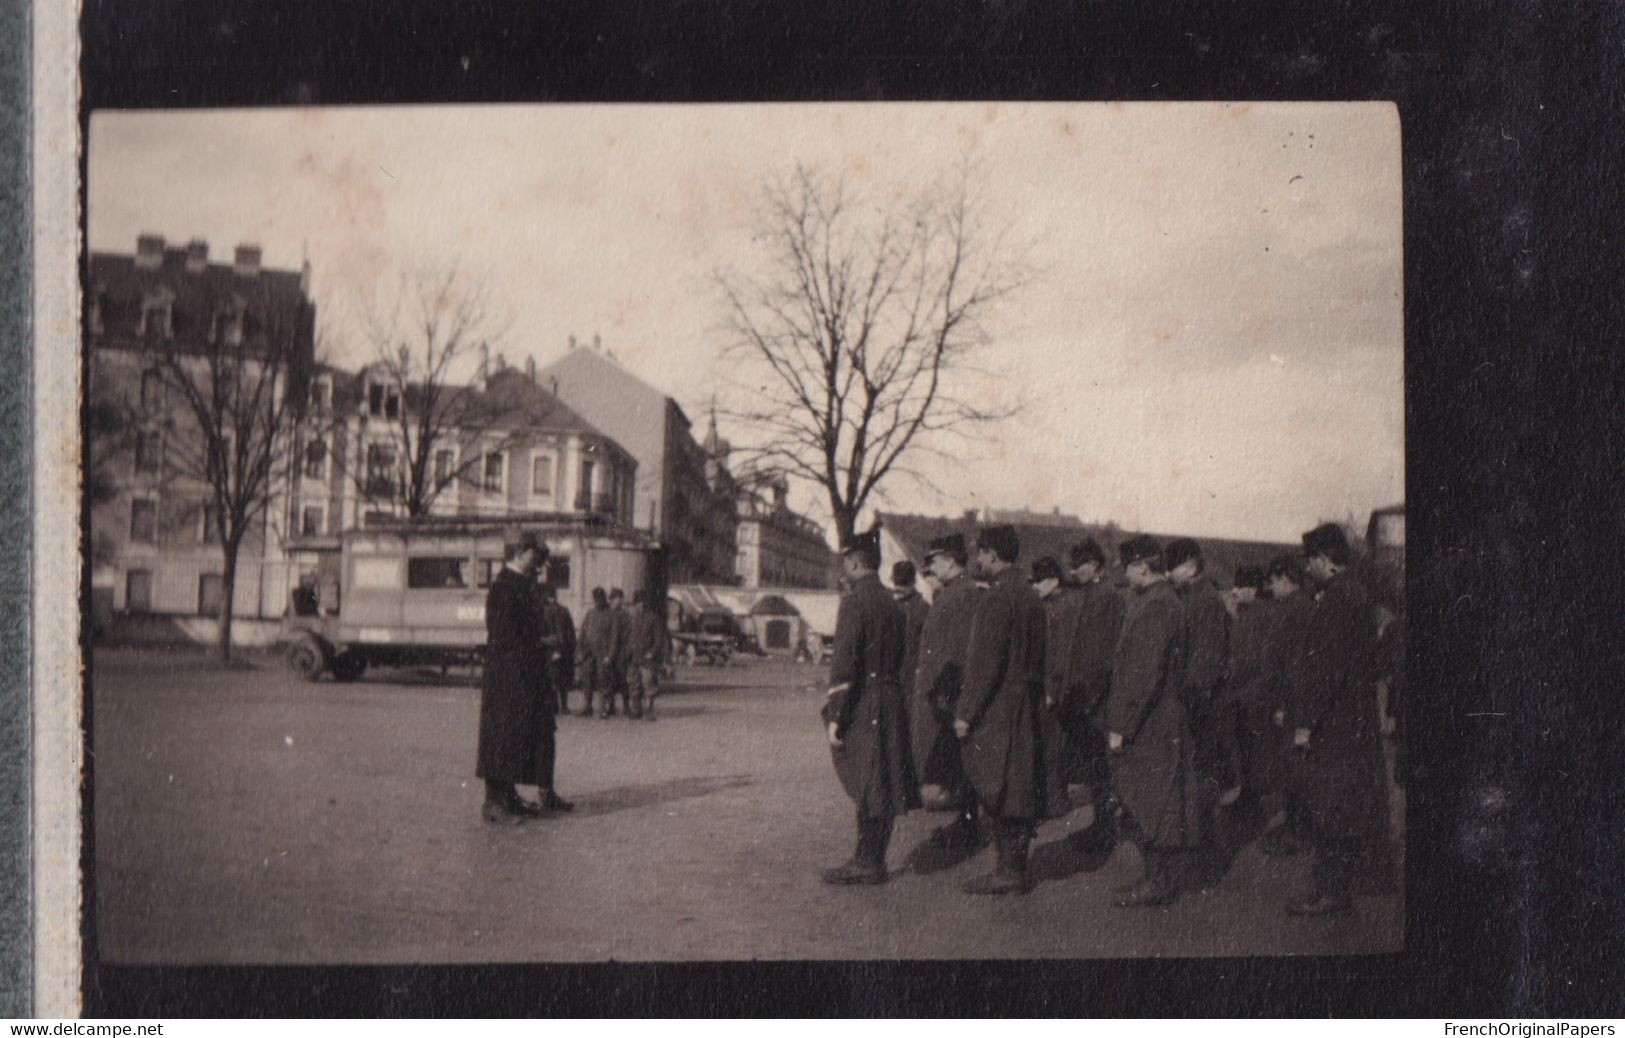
(1214,347)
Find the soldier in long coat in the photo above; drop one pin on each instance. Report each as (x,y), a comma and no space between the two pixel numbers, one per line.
(595,650)
(1245,725)
(937,681)
(915,608)
(1153,767)
(1206,631)
(1047,581)
(1333,715)
(864,713)
(648,646)
(1082,661)
(996,717)
(561,644)
(1282,670)
(620,658)
(516,726)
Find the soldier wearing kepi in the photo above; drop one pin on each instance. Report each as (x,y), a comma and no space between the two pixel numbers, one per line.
(864,715)
(1148,730)
(1206,654)
(1336,732)
(516,723)
(1047,582)
(937,683)
(620,658)
(595,648)
(1083,658)
(996,717)
(915,608)
(647,652)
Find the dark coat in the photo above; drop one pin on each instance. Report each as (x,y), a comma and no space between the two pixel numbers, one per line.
(1004,681)
(1283,663)
(1250,632)
(597,637)
(620,628)
(514,718)
(1207,638)
(646,639)
(865,702)
(1082,659)
(561,640)
(1340,777)
(937,680)
(1155,772)
(915,609)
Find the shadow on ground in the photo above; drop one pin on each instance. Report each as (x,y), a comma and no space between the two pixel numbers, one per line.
(626,798)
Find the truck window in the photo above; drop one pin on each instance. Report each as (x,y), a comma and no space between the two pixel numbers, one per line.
(376,574)
(444,572)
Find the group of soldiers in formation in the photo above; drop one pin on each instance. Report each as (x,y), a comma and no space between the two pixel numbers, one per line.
(1179,708)
(534,656)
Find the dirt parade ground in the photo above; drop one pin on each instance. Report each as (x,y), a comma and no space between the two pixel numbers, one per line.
(243,816)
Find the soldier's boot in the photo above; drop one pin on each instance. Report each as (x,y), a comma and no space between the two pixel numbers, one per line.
(634,707)
(962,833)
(1009,876)
(649,709)
(868,862)
(1157,887)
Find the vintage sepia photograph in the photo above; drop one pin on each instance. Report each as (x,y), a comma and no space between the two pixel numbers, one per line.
(551,533)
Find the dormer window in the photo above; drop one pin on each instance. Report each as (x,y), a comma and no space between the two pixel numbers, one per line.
(321,394)
(157,315)
(228,327)
(383,401)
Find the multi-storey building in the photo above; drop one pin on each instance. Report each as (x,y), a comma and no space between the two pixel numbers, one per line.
(157,323)
(683,494)
(778,547)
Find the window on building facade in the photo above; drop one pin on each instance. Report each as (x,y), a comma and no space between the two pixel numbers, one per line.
(383,401)
(584,494)
(380,470)
(228,327)
(157,315)
(316,459)
(144,520)
(311,520)
(541,475)
(138,591)
(149,452)
(152,391)
(445,463)
(437,573)
(209,524)
(495,467)
(321,394)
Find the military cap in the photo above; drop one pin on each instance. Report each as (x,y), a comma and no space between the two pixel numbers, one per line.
(1084,552)
(1181,550)
(1286,566)
(1249,576)
(902,574)
(1046,568)
(526,540)
(1141,548)
(598,597)
(866,546)
(1001,540)
(1327,539)
(952,545)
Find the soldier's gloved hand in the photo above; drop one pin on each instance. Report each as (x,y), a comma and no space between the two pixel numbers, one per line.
(1114,741)
(835,735)
(961,728)
(1300,738)
(1280,718)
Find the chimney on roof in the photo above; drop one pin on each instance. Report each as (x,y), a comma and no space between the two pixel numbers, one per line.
(197,255)
(530,368)
(248,261)
(149,251)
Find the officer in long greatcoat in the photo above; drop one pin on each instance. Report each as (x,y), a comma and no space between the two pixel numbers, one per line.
(516,724)
(1245,726)
(1153,764)
(1206,655)
(1048,582)
(1082,659)
(937,682)
(864,714)
(1337,734)
(996,717)
(1282,669)
(915,608)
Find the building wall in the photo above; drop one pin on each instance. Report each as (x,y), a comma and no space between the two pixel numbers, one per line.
(632,413)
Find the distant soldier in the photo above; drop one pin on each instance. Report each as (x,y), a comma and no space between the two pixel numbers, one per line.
(648,648)
(560,643)
(996,717)
(1282,670)
(864,714)
(619,656)
(915,609)
(595,648)
(1245,727)
(1082,662)
(1206,658)
(937,683)
(1153,767)
(516,745)
(1048,583)
(1336,731)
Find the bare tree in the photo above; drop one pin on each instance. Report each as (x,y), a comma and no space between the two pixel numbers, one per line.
(855,344)
(426,341)
(227,413)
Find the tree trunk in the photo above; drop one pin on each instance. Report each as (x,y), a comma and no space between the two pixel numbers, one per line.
(845,521)
(228,597)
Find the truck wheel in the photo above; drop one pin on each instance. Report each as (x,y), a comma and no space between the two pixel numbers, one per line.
(349,665)
(307,658)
